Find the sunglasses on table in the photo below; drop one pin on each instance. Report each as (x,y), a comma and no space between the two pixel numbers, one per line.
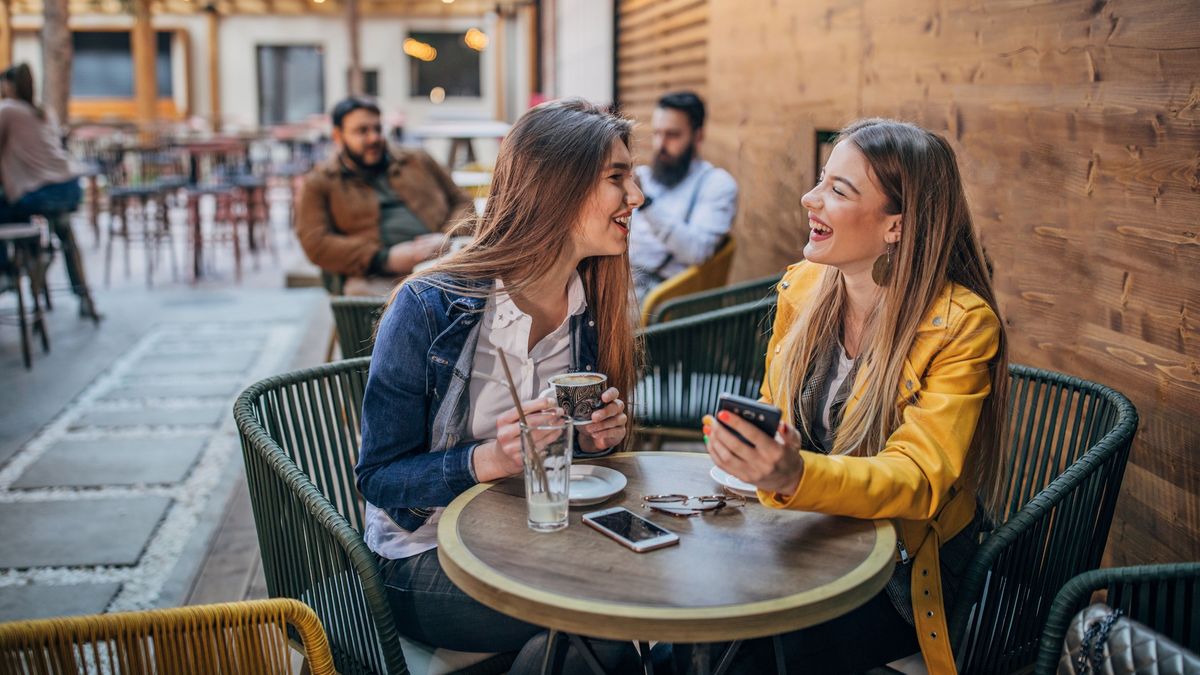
(685,505)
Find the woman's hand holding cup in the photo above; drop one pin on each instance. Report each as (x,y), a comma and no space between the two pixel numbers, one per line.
(608,424)
(503,457)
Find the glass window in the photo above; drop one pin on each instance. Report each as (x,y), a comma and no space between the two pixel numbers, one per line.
(370,82)
(102,66)
(454,67)
(291,83)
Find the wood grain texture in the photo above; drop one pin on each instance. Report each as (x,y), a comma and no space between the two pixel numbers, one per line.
(6,34)
(1077,127)
(662,46)
(738,573)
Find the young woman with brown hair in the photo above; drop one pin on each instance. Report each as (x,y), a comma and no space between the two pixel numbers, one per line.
(547,281)
(888,359)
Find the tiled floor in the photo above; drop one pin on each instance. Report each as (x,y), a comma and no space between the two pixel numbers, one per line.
(118,454)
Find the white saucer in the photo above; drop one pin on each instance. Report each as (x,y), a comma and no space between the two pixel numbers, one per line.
(736,485)
(591,484)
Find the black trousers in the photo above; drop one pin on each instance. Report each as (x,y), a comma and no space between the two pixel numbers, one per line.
(867,637)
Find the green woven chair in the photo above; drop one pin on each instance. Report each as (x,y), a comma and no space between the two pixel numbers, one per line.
(300,441)
(1070,442)
(718,298)
(691,361)
(1163,597)
(354,318)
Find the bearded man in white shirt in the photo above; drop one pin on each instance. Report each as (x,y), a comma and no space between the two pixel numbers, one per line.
(690,204)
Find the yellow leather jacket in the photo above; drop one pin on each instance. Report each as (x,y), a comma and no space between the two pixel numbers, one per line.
(918,478)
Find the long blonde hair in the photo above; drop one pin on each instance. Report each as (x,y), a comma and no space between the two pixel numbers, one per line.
(546,170)
(918,173)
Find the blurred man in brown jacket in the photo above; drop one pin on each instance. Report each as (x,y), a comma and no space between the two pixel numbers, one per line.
(368,215)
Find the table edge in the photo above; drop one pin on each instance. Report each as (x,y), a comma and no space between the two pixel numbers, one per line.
(703,624)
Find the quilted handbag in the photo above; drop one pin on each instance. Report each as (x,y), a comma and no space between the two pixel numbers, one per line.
(1103,642)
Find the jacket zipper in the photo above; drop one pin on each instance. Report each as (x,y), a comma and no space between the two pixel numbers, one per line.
(904,557)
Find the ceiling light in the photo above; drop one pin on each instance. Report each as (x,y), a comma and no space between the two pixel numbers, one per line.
(476,39)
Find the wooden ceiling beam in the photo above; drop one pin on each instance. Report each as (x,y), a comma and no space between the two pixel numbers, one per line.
(6,34)
(413,8)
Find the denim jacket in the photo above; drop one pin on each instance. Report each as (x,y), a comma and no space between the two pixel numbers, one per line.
(415,452)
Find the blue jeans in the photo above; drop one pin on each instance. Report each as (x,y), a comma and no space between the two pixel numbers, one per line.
(48,200)
(55,202)
(429,608)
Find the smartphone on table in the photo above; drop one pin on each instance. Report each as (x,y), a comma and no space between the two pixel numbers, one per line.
(762,415)
(629,529)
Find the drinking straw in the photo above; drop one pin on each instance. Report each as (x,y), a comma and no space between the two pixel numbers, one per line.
(538,471)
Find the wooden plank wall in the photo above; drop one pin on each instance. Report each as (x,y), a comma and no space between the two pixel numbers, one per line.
(1077,125)
(662,45)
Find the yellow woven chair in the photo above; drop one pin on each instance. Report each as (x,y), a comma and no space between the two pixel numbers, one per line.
(478,191)
(220,639)
(711,273)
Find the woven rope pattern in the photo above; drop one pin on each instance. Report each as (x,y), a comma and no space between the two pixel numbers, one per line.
(235,637)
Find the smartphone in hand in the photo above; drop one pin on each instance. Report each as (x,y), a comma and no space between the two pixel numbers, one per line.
(629,529)
(762,415)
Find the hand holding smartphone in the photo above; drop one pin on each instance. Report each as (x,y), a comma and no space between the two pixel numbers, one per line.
(630,530)
(764,416)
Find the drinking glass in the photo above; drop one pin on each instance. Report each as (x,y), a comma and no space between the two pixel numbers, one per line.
(547,445)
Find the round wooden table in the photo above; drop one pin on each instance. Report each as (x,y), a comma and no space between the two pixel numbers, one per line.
(740,573)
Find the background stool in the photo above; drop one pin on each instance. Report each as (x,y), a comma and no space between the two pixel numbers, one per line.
(250,200)
(21,242)
(152,226)
(59,224)
(224,226)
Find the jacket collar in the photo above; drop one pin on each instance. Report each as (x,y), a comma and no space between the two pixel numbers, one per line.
(337,165)
(937,318)
(457,303)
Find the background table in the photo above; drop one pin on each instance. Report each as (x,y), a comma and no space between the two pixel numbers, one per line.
(741,573)
(461,134)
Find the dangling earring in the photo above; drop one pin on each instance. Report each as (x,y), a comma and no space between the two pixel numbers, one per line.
(881,271)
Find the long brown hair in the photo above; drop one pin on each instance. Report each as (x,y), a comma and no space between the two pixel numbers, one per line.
(21,78)
(918,173)
(546,170)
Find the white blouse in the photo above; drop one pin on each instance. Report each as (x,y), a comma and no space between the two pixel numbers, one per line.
(506,327)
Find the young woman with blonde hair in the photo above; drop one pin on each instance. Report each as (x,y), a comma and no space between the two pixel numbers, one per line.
(888,359)
(545,280)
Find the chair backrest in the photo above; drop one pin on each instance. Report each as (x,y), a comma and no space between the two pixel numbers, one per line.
(222,639)
(709,274)
(355,319)
(1163,597)
(718,298)
(692,361)
(300,440)
(1070,441)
